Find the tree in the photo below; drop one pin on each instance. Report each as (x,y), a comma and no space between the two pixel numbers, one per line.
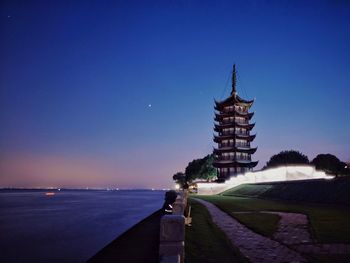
(197,169)
(208,171)
(330,164)
(201,169)
(286,158)
(180,179)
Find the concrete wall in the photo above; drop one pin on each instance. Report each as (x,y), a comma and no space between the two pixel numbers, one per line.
(280,174)
(172,232)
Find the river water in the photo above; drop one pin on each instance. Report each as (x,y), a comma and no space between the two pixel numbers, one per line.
(69,226)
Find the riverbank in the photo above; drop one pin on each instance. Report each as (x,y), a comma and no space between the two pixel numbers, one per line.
(138,244)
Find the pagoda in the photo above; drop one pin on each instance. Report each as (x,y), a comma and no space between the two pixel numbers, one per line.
(233,128)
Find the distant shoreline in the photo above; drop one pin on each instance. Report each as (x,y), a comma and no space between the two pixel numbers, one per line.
(78,189)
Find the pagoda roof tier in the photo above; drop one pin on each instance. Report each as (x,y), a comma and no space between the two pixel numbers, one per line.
(231,112)
(221,115)
(247,126)
(234,99)
(219,127)
(235,149)
(247,137)
(222,110)
(233,163)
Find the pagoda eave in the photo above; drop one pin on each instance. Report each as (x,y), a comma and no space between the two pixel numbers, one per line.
(221,116)
(244,114)
(233,99)
(219,127)
(249,138)
(237,149)
(218,139)
(233,163)
(246,126)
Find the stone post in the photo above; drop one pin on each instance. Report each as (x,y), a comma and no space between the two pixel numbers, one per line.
(179,205)
(178,208)
(172,236)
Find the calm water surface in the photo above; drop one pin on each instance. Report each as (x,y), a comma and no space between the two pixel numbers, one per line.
(70,226)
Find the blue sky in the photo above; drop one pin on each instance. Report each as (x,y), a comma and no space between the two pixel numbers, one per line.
(78,78)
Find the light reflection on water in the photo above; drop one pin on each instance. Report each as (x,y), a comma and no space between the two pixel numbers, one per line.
(69,226)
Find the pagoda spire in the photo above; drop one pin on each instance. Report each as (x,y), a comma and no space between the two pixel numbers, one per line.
(234,80)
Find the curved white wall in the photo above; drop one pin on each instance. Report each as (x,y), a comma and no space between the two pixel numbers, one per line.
(279,174)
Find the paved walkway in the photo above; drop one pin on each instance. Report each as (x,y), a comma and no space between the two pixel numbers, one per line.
(257,248)
(293,231)
(325,249)
(292,228)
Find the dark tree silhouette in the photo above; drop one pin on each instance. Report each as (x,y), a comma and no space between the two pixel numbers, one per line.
(180,179)
(286,158)
(330,164)
(201,169)
(197,169)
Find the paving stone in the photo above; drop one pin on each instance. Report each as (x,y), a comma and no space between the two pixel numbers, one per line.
(268,251)
(292,228)
(323,248)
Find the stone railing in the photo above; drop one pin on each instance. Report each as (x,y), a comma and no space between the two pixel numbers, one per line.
(172,232)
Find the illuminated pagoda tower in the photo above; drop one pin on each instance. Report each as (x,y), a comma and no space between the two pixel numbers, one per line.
(233,127)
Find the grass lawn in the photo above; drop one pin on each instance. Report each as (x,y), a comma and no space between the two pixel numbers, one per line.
(205,242)
(265,224)
(335,191)
(248,190)
(329,224)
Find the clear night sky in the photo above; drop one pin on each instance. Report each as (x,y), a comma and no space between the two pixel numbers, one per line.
(121,94)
